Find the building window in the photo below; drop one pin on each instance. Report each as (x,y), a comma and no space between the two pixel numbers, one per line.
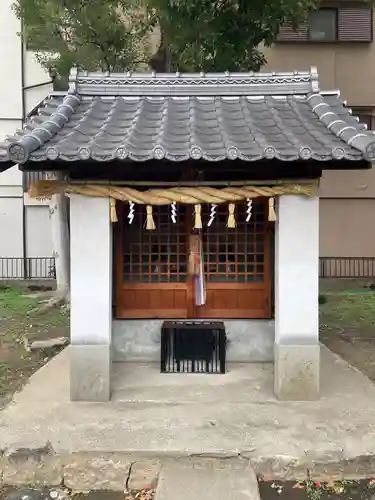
(323,25)
(342,24)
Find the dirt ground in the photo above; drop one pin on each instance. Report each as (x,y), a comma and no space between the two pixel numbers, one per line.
(310,490)
(62,493)
(347,322)
(17,328)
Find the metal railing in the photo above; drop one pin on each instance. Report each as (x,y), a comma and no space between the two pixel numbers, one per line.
(18,268)
(29,268)
(347,267)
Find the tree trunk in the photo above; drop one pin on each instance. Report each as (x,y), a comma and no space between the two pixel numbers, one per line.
(161,60)
(60,239)
(58,209)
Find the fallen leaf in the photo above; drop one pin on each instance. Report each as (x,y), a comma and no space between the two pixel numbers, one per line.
(300,486)
(338,488)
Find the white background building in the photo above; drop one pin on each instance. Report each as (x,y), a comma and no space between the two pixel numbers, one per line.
(24,223)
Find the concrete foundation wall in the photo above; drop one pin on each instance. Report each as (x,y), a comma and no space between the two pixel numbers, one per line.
(139,340)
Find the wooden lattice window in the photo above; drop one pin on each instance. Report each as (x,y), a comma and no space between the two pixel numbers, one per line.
(235,254)
(230,254)
(157,256)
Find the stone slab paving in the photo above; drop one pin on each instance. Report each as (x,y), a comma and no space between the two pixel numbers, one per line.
(158,420)
(182,483)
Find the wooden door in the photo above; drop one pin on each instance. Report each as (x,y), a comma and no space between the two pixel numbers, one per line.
(237,264)
(152,278)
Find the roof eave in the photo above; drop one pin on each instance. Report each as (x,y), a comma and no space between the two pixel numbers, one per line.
(61,165)
(6,165)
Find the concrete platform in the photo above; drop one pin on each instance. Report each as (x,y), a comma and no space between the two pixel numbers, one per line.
(229,420)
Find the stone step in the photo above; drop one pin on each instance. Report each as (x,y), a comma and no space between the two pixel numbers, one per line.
(189,483)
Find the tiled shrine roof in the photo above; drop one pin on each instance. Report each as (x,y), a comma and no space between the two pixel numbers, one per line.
(177,117)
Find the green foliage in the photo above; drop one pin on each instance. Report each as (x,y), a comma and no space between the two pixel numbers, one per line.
(196,35)
(313,492)
(322,299)
(108,35)
(220,35)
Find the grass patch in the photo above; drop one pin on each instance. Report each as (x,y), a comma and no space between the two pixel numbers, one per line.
(16,325)
(354,310)
(347,325)
(15,301)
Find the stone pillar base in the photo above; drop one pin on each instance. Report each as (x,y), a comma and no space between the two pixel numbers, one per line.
(297,370)
(90,373)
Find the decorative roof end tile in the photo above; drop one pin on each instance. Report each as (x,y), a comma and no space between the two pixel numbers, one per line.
(18,153)
(20,150)
(370,151)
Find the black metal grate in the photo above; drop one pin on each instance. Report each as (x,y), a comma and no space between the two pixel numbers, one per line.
(193,347)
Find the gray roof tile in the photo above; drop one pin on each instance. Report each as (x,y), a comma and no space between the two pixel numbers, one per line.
(213,117)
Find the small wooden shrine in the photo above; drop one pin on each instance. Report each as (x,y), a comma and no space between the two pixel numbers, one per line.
(206,186)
